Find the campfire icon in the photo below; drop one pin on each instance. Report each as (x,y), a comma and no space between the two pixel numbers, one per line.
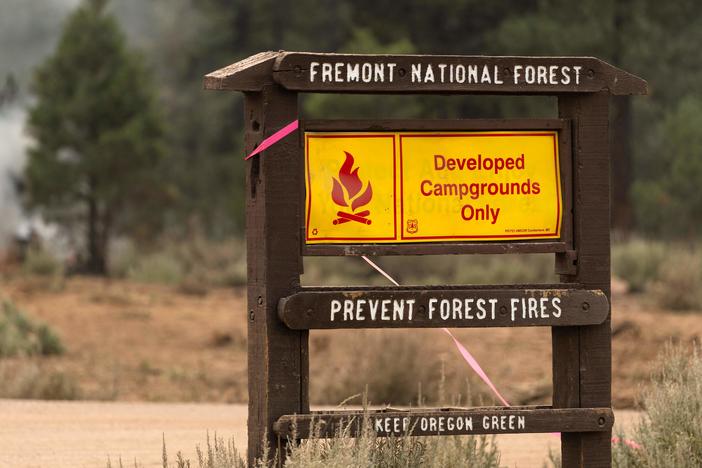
(347,192)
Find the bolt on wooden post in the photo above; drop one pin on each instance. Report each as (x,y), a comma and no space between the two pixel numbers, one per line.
(423,187)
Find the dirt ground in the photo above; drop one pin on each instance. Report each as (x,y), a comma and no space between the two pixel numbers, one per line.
(137,342)
(86,434)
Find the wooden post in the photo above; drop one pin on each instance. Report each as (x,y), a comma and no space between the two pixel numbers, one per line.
(582,356)
(277,357)
(278,345)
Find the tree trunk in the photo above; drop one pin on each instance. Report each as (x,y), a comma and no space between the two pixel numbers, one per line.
(96,263)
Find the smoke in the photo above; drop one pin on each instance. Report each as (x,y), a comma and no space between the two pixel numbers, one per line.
(29,31)
(12,159)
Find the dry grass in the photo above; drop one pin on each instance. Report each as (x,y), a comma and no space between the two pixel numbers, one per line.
(670,273)
(396,367)
(195,266)
(365,451)
(433,269)
(27,379)
(679,283)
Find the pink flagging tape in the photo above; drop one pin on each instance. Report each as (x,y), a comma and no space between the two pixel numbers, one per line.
(475,366)
(275,138)
(473,363)
(461,349)
(380,270)
(628,442)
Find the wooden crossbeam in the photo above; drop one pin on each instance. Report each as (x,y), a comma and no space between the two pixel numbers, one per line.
(437,307)
(445,421)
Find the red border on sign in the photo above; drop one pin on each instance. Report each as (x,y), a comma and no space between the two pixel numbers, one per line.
(553,134)
(309,194)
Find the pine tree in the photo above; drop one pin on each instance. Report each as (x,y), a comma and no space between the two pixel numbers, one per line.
(98,137)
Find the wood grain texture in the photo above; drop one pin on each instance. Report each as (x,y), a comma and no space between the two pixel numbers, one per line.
(398,125)
(436,307)
(277,355)
(582,356)
(448,421)
(250,74)
(443,248)
(292,71)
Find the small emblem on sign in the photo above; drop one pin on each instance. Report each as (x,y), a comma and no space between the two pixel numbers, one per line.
(412,226)
(347,192)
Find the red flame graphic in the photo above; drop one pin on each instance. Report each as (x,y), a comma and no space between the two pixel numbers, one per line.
(345,192)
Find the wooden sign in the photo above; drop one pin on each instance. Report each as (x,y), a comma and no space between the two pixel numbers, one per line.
(442,307)
(409,187)
(470,186)
(442,74)
(449,421)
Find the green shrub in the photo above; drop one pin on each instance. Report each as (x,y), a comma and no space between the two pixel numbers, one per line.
(679,283)
(21,335)
(638,262)
(40,262)
(670,433)
(160,267)
(194,266)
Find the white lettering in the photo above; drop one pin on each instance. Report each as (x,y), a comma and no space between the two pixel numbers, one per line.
(313,70)
(391,68)
(385,308)
(359,309)
(432,306)
(556,305)
(335,308)
(326,72)
(353,72)
(366,72)
(429,74)
(337,72)
(379,72)
(416,73)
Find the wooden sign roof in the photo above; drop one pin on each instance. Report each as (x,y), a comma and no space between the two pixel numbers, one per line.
(444,74)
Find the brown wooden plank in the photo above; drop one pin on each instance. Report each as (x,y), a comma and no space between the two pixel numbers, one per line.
(582,356)
(399,125)
(277,355)
(436,307)
(444,248)
(448,421)
(250,74)
(363,73)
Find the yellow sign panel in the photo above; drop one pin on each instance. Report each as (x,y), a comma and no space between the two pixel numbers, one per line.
(401,187)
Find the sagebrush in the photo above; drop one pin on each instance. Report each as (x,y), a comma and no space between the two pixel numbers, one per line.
(364,451)
(24,336)
(670,433)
